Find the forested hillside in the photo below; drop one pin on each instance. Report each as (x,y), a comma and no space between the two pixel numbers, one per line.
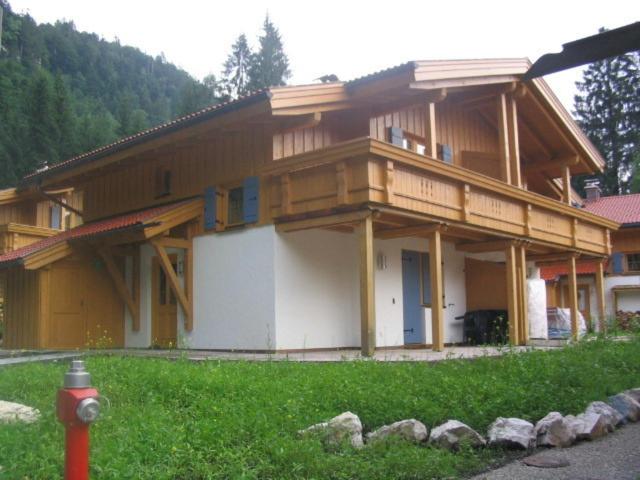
(63,92)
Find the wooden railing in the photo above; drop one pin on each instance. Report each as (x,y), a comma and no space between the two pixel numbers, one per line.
(14,236)
(369,171)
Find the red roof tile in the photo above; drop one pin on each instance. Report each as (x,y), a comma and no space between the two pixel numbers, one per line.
(619,208)
(552,272)
(130,220)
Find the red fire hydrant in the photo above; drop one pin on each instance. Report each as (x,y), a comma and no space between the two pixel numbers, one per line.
(77,408)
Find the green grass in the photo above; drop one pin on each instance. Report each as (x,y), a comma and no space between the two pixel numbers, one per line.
(177,419)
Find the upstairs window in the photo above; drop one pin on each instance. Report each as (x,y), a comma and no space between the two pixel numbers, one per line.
(633,262)
(235,206)
(163,182)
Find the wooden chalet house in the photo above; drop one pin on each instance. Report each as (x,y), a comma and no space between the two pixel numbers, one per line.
(363,214)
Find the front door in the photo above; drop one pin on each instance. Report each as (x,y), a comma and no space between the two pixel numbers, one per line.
(411,301)
(164,307)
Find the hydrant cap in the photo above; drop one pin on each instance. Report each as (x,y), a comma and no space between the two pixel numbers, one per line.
(77,376)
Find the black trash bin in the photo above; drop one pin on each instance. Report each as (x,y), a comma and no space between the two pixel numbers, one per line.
(485,327)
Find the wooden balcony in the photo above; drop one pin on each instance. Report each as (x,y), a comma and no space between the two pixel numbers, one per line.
(367,171)
(15,235)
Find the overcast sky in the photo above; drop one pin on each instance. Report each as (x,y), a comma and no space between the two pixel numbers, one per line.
(347,38)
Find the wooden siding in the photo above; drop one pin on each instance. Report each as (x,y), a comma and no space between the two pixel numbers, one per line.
(626,240)
(222,160)
(22,309)
(71,304)
(462,130)
(365,170)
(301,140)
(485,284)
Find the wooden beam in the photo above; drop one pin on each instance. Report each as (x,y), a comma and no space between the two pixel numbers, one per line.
(600,297)
(172,242)
(170,273)
(552,164)
(323,222)
(523,329)
(489,246)
(437,291)
(512,295)
(57,201)
(430,139)
(192,228)
(410,231)
(120,284)
(514,141)
(573,297)
(367,288)
(388,182)
(552,257)
(566,185)
(285,194)
(309,120)
(503,138)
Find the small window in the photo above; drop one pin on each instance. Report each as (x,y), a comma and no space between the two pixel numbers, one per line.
(633,262)
(55,216)
(163,182)
(235,206)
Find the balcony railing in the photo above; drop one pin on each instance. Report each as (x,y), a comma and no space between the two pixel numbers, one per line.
(15,235)
(369,171)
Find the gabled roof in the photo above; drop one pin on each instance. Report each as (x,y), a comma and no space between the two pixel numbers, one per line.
(413,77)
(624,209)
(56,247)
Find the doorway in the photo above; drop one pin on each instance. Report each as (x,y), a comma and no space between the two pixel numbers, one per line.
(412,305)
(164,307)
(584,301)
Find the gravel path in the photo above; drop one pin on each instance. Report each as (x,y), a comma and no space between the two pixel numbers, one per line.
(614,457)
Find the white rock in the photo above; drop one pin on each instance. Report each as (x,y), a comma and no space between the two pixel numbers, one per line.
(452,433)
(511,433)
(634,393)
(626,406)
(411,430)
(15,412)
(345,426)
(554,431)
(611,416)
(587,426)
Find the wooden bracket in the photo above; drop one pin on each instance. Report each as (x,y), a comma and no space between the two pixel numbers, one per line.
(170,273)
(121,286)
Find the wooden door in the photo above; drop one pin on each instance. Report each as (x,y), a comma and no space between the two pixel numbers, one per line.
(68,325)
(164,307)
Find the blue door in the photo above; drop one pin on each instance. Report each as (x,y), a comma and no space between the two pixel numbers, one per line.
(411,301)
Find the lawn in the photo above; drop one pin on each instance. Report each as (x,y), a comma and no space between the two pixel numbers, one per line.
(184,420)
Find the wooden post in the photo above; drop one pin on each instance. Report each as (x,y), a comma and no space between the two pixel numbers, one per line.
(602,323)
(573,297)
(512,295)
(503,138)
(514,141)
(523,299)
(430,140)
(566,185)
(367,291)
(437,291)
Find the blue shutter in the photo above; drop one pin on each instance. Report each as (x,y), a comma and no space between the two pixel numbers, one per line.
(446,154)
(250,199)
(426,279)
(396,136)
(56,216)
(210,208)
(617,259)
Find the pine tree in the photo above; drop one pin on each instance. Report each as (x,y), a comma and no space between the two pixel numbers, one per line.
(65,120)
(43,130)
(270,65)
(235,76)
(608,110)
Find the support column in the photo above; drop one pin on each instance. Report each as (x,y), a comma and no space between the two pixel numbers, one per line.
(573,297)
(514,141)
(566,184)
(512,295)
(367,291)
(437,291)
(430,141)
(523,302)
(503,138)
(602,322)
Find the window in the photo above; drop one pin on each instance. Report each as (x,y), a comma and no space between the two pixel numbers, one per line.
(633,262)
(56,216)
(235,206)
(163,182)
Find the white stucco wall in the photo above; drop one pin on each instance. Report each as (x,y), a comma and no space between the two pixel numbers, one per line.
(317,290)
(627,301)
(234,290)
